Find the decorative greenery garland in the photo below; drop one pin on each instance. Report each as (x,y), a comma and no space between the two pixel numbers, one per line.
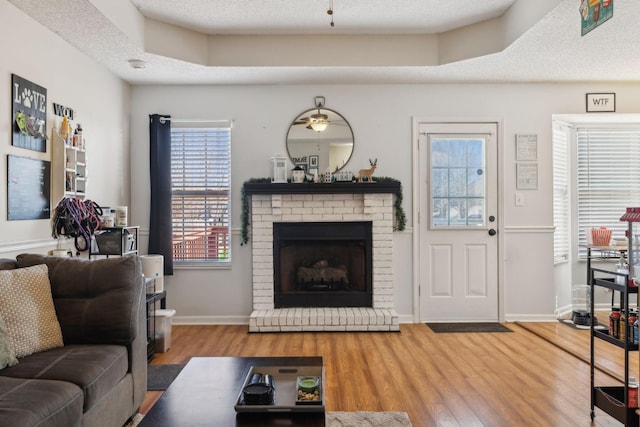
(401,218)
(244,216)
(400,223)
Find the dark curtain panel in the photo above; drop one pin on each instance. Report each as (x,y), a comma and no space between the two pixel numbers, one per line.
(160,229)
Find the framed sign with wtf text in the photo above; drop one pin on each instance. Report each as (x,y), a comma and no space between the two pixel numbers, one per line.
(601,102)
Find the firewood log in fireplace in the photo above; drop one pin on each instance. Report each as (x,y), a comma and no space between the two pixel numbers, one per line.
(320,272)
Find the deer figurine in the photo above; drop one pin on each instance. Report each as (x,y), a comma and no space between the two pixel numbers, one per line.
(367,172)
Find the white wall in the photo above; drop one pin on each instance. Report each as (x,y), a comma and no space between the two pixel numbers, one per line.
(112,115)
(100,100)
(381,117)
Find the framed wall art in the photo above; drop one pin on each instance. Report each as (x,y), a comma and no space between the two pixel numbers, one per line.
(313,161)
(29,114)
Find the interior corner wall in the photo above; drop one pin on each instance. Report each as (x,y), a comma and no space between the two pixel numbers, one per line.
(100,101)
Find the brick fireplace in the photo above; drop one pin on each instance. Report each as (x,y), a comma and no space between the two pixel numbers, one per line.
(365,203)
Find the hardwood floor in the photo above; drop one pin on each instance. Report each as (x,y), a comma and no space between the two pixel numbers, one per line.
(464,379)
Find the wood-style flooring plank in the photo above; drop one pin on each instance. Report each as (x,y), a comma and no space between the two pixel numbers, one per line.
(516,378)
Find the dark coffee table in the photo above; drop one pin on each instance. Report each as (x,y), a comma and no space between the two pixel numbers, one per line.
(205,392)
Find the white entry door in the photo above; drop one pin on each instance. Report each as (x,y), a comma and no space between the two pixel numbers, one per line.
(458,222)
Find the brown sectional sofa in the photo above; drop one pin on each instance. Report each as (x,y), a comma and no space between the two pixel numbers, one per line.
(99,377)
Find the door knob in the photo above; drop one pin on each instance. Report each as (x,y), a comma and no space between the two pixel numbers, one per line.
(492,218)
(492,232)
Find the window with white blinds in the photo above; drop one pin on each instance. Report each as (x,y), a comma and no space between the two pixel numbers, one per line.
(561,194)
(201,191)
(608,177)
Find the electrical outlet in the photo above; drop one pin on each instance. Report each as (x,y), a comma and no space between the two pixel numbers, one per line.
(519,199)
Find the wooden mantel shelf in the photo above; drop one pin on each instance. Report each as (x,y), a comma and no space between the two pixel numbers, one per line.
(251,188)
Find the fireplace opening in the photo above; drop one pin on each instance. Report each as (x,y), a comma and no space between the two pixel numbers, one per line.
(322,264)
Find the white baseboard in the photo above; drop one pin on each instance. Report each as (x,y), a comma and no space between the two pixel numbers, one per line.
(530,318)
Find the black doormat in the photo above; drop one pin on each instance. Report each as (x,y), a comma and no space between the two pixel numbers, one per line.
(159,377)
(468,327)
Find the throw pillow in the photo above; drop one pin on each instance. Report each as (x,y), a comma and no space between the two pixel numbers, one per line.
(7,355)
(26,305)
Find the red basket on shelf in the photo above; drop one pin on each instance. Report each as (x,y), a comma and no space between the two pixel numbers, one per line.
(600,236)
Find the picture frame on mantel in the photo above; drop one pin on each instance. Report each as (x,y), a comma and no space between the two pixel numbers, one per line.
(313,161)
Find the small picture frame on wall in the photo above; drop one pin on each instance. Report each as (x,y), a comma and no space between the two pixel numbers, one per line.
(601,102)
(313,161)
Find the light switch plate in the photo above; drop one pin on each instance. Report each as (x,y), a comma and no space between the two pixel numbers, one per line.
(519,199)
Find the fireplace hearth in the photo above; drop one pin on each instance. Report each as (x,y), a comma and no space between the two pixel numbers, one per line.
(322,264)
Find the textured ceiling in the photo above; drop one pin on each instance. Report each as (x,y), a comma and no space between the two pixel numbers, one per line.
(310,16)
(549,49)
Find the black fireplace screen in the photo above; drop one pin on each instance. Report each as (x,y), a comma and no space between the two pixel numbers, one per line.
(322,264)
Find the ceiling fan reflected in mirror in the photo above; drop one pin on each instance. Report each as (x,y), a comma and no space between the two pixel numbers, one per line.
(317,121)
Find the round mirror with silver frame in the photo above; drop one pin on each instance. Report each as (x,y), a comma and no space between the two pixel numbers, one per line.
(320,138)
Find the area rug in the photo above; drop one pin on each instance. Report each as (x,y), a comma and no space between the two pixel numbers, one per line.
(368,419)
(346,419)
(467,327)
(159,377)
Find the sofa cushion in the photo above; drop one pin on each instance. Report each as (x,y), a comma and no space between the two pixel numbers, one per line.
(7,355)
(27,308)
(8,264)
(97,301)
(28,403)
(96,369)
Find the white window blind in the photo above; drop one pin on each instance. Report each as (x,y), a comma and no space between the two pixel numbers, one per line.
(561,201)
(608,177)
(200,192)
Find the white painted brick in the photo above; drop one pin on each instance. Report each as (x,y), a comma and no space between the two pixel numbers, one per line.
(342,313)
(292,218)
(276,200)
(313,328)
(378,328)
(312,204)
(372,216)
(262,305)
(365,316)
(261,211)
(293,204)
(345,196)
(343,211)
(306,315)
(264,252)
(372,203)
(322,196)
(320,317)
(334,204)
(291,328)
(332,217)
(335,317)
(270,329)
(334,328)
(267,292)
(357,316)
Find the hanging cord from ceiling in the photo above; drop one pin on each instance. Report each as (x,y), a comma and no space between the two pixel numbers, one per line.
(330,12)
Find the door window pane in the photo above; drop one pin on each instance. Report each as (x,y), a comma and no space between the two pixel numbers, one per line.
(458,186)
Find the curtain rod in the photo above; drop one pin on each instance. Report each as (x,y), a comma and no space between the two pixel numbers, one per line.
(163,120)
